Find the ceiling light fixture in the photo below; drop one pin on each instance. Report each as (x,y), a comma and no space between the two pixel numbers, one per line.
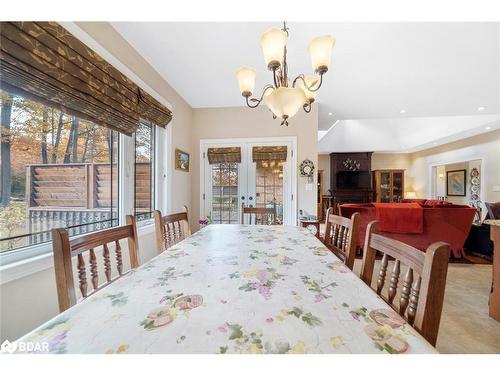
(330,113)
(481,108)
(488,128)
(284,100)
(402,111)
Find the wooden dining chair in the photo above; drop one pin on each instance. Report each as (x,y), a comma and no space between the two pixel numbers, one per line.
(341,236)
(267,216)
(423,285)
(65,250)
(171,229)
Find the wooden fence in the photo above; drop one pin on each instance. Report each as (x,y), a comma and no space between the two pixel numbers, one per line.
(81,197)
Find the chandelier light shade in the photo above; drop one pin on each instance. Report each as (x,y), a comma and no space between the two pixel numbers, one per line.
(246,80)
(320,50)
(273,43)
(308,83)
(284,97)
(285,102)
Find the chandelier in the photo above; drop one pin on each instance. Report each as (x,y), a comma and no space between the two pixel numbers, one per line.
(284,100)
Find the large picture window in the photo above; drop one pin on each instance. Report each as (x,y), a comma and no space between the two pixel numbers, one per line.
(144,171)
(56,171)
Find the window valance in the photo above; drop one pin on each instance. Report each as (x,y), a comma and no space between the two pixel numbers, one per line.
(45,62)
(260,153)
(224,155)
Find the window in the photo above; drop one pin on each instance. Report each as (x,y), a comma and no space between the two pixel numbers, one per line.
(144,171)
(56,171)
(225,193)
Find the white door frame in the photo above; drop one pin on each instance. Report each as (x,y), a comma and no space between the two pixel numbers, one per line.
(483,178)
(291,191)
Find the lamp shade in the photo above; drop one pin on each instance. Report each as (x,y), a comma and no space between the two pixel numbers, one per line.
(320,50)
(411,195)
(311,82)
(246,80)
(273,42)
(284,102)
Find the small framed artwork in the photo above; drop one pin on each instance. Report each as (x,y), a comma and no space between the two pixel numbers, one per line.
(456,183)
(181,160)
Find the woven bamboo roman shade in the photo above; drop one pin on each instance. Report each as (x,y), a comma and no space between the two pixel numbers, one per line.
(45,62)
(269,153)
(224,155)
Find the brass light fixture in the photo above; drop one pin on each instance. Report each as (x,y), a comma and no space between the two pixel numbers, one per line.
(284,100)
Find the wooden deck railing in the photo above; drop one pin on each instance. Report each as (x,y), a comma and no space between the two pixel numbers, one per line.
(42,220)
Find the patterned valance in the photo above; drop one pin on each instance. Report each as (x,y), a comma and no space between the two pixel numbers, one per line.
(224,155)
(260,153)
(43,61)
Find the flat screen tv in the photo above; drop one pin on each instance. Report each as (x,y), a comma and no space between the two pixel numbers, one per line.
(353,180)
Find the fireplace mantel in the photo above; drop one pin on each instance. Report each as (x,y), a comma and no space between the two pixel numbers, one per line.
(353,162)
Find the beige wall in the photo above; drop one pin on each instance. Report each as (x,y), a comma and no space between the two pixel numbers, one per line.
(484,147)
(390,161)
(324,164)
(243,122)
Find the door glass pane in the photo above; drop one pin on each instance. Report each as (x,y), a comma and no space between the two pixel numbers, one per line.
(225,193)
(269,187)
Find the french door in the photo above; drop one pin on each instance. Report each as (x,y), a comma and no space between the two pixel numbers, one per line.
(256,173)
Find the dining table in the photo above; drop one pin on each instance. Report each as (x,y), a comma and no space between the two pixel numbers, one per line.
(232,288)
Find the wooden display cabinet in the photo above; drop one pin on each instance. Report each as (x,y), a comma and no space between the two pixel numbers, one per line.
(388,185)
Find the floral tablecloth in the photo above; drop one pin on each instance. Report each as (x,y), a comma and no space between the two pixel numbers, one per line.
(235,289)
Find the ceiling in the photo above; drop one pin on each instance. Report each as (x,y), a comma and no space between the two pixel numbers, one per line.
(429,70)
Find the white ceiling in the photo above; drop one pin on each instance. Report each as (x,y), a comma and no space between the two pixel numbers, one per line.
(418,133)
(378,69)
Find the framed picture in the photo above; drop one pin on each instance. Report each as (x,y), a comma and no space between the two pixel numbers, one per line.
(455,183)
(181,160)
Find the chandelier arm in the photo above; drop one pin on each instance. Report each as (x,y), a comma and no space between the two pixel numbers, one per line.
(309,88)
(257,101)
(284,76)
(275,79)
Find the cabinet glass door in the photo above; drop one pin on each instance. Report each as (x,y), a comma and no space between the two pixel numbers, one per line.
(397,186)
(385,187)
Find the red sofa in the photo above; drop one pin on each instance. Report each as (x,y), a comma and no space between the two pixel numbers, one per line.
(442,221)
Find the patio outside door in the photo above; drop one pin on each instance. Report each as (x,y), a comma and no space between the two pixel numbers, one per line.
(256,173)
